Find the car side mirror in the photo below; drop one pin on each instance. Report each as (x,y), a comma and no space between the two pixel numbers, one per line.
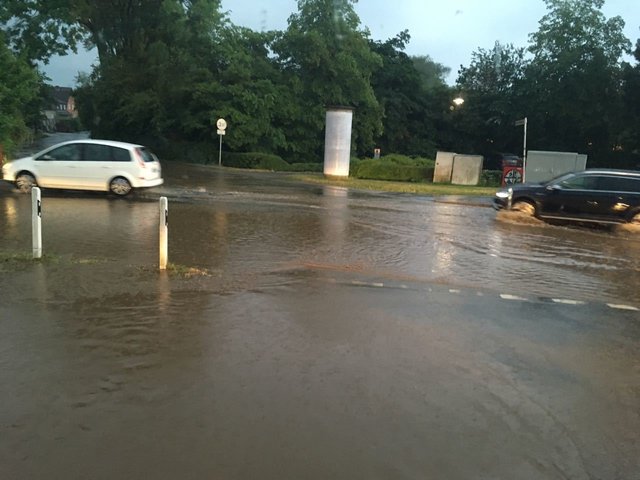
(554,188)
(46,157)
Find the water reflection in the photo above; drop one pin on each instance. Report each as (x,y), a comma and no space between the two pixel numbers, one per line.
(245,224)
(335,216)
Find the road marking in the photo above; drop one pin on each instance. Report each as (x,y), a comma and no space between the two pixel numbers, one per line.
(505,296)
(623,307)
(566,301)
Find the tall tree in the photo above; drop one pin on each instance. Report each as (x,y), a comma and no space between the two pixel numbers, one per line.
(432,74)
(327,60)
(20,97)
(574,77)
(411,99)
(629,138)
(492,86)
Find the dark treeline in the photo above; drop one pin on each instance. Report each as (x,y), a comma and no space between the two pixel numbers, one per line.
(169,68)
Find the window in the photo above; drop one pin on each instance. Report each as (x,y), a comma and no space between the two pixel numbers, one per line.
(620,184)
(580,183)
(120,154)
(64,153)
(97,153)
(146,154)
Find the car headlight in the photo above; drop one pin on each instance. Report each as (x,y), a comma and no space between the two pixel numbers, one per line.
(503,194)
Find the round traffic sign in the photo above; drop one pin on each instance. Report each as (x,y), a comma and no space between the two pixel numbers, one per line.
(512,176)
(221,124)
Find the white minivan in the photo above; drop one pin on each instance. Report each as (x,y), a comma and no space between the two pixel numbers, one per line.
(101,165)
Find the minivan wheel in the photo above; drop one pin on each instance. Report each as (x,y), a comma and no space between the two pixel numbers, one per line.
(25,182)
(524,207)
(120,186)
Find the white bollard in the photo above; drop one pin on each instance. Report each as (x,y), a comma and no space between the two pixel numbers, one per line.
(164,232)
(36,221)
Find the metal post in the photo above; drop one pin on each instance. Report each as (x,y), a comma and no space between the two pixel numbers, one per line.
(524,153)
(220,152)
(36,222)
(164,232)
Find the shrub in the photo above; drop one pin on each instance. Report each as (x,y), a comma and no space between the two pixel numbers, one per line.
(384,169)
(490,178)
(187,152)
(68,125)
(408,161)
(255,160)
(305,167)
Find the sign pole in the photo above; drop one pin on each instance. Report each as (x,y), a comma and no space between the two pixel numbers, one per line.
(523,123)
(36,222)
(164,232)
(221,124)
(524,153)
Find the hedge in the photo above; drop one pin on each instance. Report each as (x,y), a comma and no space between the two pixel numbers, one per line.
(395,169)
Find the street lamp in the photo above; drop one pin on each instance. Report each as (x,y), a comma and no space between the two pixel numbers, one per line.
(458,101)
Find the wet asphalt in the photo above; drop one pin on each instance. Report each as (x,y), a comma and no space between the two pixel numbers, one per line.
(313,332)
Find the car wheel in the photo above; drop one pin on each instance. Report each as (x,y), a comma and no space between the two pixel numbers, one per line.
(120,186)
(25,182)
(524,207)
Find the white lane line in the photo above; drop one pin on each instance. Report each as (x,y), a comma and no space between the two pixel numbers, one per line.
(505,296)
(366,284)
(453,290)
(623,307)
(566,301)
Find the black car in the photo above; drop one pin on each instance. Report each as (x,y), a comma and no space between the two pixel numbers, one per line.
(599,196)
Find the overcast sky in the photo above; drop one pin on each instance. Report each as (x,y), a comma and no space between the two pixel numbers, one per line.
(446,30)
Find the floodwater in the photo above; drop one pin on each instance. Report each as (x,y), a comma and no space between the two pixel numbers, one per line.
(313,332)
(251,223)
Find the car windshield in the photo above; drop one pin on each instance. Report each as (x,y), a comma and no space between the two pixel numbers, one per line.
(559,179)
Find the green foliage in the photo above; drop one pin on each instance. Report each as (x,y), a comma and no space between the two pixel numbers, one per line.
(411,98)
(305,167)
(326,60)
(490,178)
(255,160)
(190,152)
(170,68)
(68,125)
(384,169)
(406,160)
(20,97)
(573,77)
(493,90)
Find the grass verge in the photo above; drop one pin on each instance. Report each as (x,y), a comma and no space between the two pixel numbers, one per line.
(187,272)
(23,258)
(399,187)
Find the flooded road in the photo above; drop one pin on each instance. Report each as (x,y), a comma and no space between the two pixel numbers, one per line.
(313,332)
